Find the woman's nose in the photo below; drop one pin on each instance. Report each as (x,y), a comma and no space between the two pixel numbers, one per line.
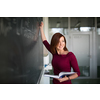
(60,43)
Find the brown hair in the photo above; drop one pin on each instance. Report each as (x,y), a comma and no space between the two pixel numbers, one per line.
(55,41)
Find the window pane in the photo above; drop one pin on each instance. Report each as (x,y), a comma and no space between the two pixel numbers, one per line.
(58,24)
(84,24)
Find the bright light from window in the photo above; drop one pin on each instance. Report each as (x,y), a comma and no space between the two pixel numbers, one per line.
(98,31)
(55,30)
(85,28)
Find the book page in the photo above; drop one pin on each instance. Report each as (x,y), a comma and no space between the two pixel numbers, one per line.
(53,76)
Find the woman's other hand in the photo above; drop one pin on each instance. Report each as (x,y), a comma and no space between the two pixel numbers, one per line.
(62,79)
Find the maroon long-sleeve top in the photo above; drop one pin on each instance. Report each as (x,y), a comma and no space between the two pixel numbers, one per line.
(63,63)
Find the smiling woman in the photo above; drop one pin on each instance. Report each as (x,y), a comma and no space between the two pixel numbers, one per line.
(60,46)
(62,60)
(58,41)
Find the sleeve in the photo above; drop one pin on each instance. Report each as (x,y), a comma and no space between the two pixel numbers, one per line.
(47,45)
(74,64)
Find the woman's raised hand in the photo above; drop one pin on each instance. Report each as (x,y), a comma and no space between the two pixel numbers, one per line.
(42,32)
(41,25)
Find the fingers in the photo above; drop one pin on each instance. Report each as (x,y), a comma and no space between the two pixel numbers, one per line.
(41,25)
(62,79)
(41,22)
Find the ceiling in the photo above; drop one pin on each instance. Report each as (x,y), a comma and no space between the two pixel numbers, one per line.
(62,22)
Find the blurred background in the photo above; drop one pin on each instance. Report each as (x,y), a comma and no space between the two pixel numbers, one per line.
(23,60)
(83,39)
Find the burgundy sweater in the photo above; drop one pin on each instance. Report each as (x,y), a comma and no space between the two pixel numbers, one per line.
(63,63)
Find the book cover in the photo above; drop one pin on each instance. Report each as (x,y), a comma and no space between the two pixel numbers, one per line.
(61,74)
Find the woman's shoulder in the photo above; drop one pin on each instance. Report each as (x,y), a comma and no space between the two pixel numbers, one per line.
(70,53)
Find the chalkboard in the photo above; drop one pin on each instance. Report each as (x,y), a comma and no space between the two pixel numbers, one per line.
(21,50)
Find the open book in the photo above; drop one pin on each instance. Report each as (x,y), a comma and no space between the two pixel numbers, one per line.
(61,74)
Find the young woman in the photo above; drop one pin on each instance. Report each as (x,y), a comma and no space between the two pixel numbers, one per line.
(62,60)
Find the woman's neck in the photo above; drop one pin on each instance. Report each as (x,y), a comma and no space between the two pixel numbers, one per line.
(61,52)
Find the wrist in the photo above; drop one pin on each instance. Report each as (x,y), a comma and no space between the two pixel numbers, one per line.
(41,29)
(68,79)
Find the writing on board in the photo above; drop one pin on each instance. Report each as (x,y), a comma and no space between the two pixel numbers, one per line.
(21,55)
(26,26)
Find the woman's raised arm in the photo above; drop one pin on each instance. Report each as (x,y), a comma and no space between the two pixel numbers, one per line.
(42,32)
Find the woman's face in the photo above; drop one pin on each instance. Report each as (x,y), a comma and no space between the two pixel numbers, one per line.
(61,44)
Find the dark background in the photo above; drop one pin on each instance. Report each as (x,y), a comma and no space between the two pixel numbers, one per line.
(21,51)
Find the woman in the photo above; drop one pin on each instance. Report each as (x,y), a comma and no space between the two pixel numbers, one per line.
(62,60)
